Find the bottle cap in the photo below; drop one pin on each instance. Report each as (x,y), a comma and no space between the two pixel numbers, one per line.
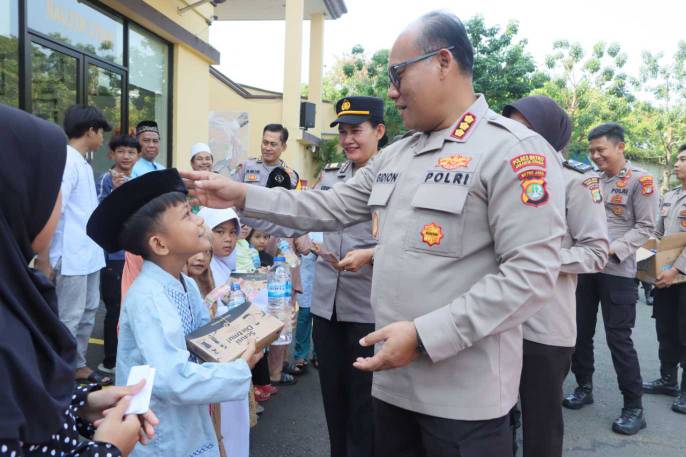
(235,286)
(279,259)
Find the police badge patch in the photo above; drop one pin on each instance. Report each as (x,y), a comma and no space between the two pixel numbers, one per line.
(534,188)
(593,185)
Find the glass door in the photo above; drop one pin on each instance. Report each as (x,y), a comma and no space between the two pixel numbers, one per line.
(105,89)
(54,81)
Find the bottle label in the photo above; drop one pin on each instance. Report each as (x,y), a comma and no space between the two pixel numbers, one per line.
(279,290)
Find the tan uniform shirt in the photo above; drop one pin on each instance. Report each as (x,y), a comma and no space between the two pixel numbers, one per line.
(470,221)
(584,250)
(255,171)
(631,205)
(673,220)
(348,291)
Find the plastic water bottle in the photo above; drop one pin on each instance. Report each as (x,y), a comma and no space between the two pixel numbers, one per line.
(237,297)
(291,258)
(255,258)
(279,297)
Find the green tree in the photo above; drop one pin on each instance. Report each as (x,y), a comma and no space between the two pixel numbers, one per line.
(592,88)
(661,125)
(357,73)
(503,70)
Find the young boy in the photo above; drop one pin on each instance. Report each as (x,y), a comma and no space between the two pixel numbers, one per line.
(73,257)
(124,151)
(149,216)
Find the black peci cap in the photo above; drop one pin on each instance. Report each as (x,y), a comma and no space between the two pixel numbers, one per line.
(147,126)
(108,219)
(356,110)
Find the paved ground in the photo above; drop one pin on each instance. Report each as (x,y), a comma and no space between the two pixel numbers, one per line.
(293,424)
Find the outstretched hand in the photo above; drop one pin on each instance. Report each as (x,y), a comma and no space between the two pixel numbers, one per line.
(399,347)
(214,190)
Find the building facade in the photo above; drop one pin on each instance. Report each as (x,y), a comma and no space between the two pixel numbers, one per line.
(150,59)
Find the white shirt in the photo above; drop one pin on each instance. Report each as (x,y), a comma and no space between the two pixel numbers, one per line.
(80,255)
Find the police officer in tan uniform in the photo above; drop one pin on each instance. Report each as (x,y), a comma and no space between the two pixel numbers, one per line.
(670,299)
(257,171)
(470,216)
(631,207)
(550,334)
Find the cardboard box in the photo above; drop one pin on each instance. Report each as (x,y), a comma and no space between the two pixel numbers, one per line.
(656,256)
(226,338)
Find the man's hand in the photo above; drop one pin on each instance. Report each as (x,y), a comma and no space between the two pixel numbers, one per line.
(399,347)
(214,190)
(101,402)
(356,259)
(303,245)
(666,278)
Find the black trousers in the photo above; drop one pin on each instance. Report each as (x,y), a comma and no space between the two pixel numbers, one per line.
(669,311)
(346,391)
(617,296)
(404,433)
(110,291)
(540,391)
(260,374)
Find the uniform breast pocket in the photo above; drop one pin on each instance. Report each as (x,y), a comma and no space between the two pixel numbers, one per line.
(378,201)
(437,222)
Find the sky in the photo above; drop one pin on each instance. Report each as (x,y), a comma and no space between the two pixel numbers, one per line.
(252,53)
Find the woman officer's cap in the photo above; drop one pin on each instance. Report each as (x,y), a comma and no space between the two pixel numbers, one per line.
(356,110)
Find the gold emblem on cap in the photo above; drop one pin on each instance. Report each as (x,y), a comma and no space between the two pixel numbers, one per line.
(345,106)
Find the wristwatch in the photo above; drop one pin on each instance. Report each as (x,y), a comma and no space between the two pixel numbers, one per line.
(420,346)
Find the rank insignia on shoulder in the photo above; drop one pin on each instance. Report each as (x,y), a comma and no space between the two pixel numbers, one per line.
(344,167)
(464,126)
(332,166)
(647,186)
(577,166)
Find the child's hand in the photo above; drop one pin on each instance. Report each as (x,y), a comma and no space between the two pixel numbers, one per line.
(119,430)
(251,355)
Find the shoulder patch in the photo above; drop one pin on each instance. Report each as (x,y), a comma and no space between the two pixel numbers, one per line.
(577,166)
(647,186)
(332,166)
(593,186)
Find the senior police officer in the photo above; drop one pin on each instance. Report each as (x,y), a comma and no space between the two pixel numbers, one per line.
(550,334)
(257,171)
(670,299)
(470,216)
(631,208)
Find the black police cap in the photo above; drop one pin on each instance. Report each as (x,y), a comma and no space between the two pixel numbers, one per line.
(356,110)
(108,219)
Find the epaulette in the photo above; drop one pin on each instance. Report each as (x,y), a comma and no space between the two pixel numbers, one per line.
(332,166)
(577,166)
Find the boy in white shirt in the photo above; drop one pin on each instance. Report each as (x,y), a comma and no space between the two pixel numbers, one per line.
(74,260)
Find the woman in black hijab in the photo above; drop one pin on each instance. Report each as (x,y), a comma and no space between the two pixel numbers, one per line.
(549,336)
(41,408)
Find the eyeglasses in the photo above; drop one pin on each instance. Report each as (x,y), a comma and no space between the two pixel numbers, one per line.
(394,70)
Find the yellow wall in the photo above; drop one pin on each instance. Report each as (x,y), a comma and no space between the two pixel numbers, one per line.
(191,104)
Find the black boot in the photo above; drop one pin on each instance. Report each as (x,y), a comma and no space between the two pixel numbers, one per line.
(582,396)
(679,405)
(630,421)
(666,385)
